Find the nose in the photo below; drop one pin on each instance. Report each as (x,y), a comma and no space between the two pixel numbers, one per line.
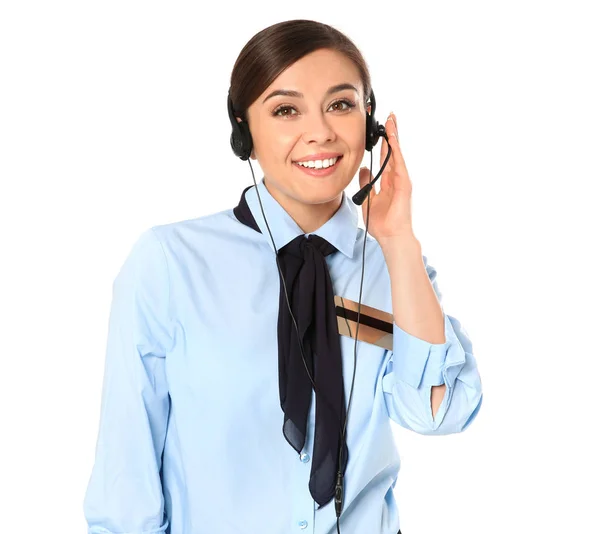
(317,129)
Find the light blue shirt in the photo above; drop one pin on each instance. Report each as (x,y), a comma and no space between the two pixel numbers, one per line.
(190,437)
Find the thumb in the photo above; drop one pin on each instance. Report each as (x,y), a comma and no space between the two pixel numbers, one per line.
(364,176)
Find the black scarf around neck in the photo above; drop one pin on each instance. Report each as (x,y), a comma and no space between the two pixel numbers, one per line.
(307,278)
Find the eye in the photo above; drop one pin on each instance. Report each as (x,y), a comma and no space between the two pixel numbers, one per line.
(277,111)
(345,101)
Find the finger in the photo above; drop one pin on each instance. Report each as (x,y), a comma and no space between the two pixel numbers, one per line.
(397,159)
(398,164)
(385,148)
(364,177)
(393,115)
(389,129)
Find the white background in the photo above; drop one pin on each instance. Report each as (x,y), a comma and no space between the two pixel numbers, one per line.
(113,119)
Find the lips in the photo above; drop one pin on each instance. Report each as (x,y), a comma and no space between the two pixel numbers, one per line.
(312,171)
(320,156)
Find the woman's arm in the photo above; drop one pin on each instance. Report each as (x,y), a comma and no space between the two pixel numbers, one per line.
(431,383)
(124,492)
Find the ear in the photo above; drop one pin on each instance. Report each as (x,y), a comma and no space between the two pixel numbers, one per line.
(369,109)
(238,119)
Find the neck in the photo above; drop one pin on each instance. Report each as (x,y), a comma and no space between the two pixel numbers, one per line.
(309,217)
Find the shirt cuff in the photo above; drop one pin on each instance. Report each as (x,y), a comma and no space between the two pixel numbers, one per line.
(418,362)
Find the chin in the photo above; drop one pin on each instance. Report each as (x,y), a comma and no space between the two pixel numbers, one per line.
(323,194)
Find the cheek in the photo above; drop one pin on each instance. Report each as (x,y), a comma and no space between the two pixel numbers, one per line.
(273,149)
(277,147)
(357,146)
(356,139)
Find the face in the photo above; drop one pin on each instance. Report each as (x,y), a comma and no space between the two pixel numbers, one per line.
(287,128)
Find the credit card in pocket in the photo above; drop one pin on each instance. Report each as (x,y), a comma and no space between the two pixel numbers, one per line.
(376,326)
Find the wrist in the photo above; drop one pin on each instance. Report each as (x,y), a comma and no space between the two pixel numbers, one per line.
(402,243)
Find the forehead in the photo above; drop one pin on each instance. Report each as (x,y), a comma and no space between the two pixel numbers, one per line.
(315,73)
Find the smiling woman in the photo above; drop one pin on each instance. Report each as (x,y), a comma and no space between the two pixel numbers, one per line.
(230,371)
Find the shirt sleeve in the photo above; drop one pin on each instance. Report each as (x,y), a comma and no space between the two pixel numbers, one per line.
(124,492)
(415,366)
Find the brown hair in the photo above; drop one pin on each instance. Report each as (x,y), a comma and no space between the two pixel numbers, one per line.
(275,48)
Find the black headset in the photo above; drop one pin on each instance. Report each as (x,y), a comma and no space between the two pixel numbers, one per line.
(241,144)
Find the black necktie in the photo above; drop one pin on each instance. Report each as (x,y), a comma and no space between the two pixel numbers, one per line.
(307,278)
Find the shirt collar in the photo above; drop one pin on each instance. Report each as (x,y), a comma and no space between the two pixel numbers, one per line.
(339,230)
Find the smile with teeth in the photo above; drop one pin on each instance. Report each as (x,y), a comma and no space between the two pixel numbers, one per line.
(318,164)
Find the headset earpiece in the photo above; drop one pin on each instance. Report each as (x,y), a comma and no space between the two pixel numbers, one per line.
(373,129)
(241,140)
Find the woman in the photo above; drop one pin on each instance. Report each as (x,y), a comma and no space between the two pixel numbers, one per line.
(214,418)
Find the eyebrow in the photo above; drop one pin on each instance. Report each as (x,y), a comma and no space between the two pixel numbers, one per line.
(296,94)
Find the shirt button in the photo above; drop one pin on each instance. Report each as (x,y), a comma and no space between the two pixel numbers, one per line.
(303,524)
(304,457)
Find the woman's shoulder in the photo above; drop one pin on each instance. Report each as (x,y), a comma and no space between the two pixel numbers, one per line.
(203,226)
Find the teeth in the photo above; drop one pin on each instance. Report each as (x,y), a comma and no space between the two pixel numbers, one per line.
(318,164)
